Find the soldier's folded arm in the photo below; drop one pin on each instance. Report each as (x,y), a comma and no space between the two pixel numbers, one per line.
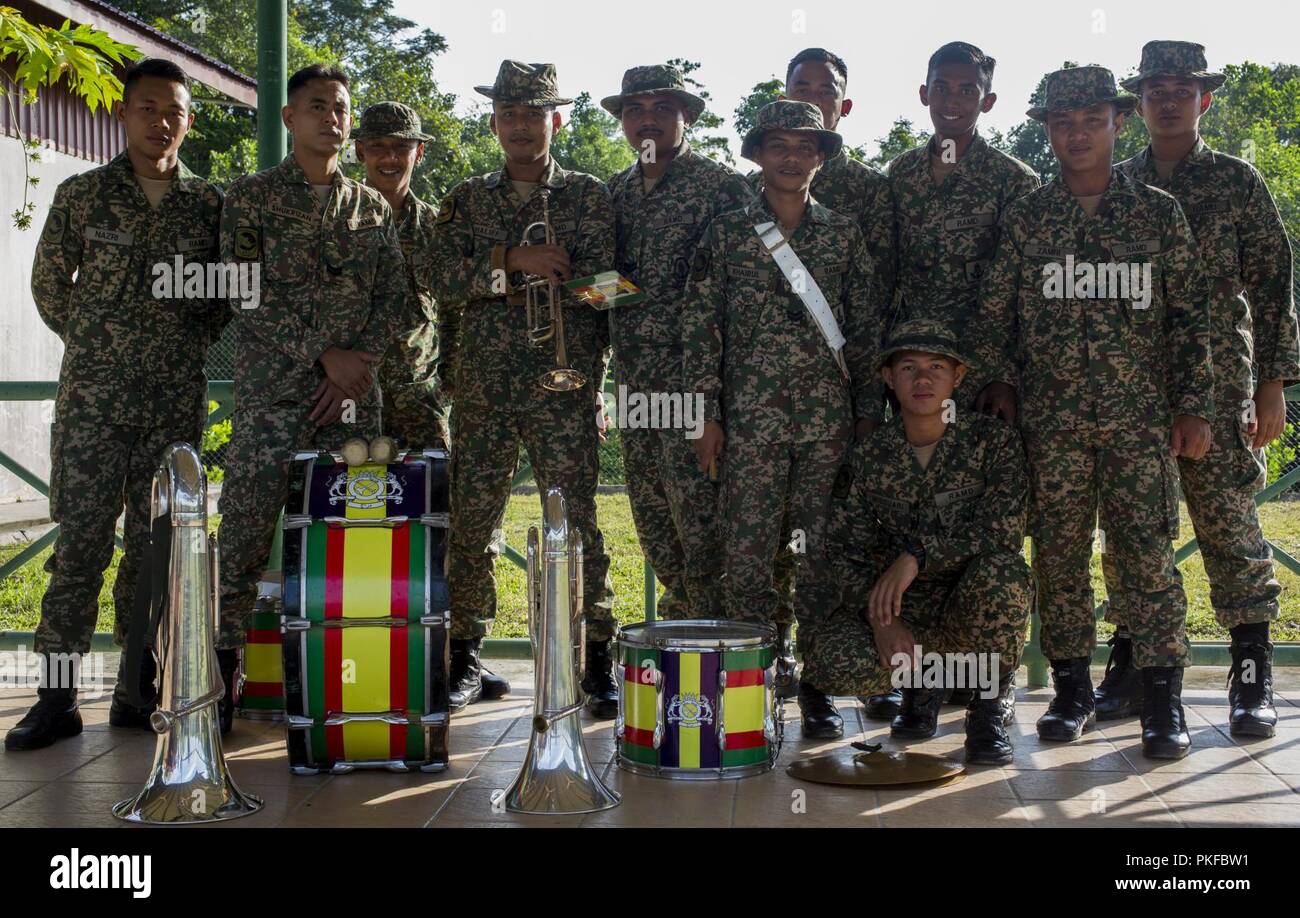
(277,324)
(864,312)
(58,257)
(998,523)
(460,273)
(1187,322)
(1266,267)
(704,309)
(388,297)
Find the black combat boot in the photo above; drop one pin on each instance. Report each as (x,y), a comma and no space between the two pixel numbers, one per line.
(987,740)
(1164,727)
(787,679)
(918,716)
(1120,692)
(466,678)
(821,719)
(121,713)
(1071,713)
(53,717)
(228,664)
(494,686)
(1250,682)
(882,707)
(598,683)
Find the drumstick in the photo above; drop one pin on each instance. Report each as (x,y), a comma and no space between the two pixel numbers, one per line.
(713,469)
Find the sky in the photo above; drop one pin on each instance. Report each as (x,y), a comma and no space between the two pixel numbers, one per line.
(885,45)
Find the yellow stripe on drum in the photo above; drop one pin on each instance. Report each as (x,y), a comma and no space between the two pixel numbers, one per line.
(263,662)
(640,708)
(744,708)
(365,690)
(688,738)
(368,553)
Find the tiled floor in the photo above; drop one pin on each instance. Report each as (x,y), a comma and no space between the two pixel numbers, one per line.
(1101,781)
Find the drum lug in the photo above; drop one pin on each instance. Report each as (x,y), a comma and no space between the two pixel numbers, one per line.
(434,454)
(296,521)
(660,714)
(719,725)
(298,722)
(434,720)
(436,520)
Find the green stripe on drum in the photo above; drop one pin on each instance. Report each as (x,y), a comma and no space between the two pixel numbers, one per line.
(314,676)
(636,656)
(264,621)
(262,703)
(643,755)
(748,659)
(754,756)
(315,573)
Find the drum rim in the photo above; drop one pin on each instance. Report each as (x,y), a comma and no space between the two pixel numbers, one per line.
(766,636)
(718,773)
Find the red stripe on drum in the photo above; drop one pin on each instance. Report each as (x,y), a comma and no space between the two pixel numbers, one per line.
(334,541)
(638,737)
(749,739)
(400,572)
(738,678)
(263,636)
(263,689)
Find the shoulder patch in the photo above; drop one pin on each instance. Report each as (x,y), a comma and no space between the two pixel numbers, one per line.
(700,266)
(843,482)
(447,212)
(55,225)
(248,243)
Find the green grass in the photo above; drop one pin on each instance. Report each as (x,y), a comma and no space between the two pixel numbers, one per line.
(20,595)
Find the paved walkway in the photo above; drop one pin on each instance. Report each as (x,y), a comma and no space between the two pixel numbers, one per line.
(1101,781)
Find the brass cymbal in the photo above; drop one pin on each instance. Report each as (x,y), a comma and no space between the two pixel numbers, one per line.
(866,766)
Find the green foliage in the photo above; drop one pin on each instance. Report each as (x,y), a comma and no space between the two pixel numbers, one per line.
(699,134)
(1280,454)
(746,113)
(901,138)
(80,57)
(214,438)
(591,141)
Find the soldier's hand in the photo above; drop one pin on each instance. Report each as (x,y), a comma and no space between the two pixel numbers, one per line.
(709,445)
(895,641)
(349,370)
(541,260)
(886,600)
(329,404)
(864,427)
(1191,436)
(602,419)
(999,400)
(1270,414)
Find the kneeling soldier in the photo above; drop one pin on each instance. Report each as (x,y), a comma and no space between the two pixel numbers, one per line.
(927,542)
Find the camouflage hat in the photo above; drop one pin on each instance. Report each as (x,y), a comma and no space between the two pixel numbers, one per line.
(525,84)
(390,119)
(655,78)
(1174,58)
(924,335)
(788,115)
(1080,87)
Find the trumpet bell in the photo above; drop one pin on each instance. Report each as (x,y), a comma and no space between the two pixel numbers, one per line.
(562,379)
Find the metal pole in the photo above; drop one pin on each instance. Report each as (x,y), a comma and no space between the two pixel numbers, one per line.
(272,55)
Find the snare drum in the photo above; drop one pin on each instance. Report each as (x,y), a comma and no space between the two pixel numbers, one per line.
(366,614)
(261,694)
(696,699)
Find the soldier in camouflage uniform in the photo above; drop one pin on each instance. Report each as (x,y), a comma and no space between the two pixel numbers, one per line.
(1113,383)
(775,395)
(1247,257)
(333,293)
(132,377)
(928,546)
(662,202)
(850,187)
(390,144)
(478,261)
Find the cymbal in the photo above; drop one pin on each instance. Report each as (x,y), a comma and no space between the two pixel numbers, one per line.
(875,767)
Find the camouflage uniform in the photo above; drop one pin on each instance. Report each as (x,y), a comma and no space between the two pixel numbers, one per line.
(332,275)
(499,402)
(1244,250)
(673,503)
(967,508)
(415,405)
(132,377)
(1100,381)
(770,380)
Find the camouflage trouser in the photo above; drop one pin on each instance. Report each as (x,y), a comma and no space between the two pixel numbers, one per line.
(558,429)
(1220,492)
(783,576)
(982,610)
(95,469)
(262,443)
(415,415)
(673,503)
(1132,485)
(761,483)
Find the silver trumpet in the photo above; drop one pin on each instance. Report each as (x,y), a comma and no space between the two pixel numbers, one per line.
(544,310)
(189,782)
(556,777)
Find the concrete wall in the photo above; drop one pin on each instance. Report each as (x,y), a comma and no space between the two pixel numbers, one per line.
(28,350)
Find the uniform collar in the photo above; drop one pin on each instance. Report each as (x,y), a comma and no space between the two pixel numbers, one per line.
(816,213)
(554,175)
(684,159)
(1146,160)
(1118,192)
(291,172)
(185,180)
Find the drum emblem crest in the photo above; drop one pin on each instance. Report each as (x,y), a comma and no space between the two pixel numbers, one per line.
(690,710)
(365,490)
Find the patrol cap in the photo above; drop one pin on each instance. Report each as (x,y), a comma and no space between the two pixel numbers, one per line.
(789,115)
(924,335)
(518,83)
(390,119)
(1080,87)
(651,79)
(1174,58)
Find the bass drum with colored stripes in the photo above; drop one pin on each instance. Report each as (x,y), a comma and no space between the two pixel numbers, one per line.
(696,699)
(366,614)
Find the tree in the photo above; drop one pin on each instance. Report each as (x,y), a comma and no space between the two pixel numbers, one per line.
(901,138)
(714,146)
(591,141)
(746,113)
(82,58)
